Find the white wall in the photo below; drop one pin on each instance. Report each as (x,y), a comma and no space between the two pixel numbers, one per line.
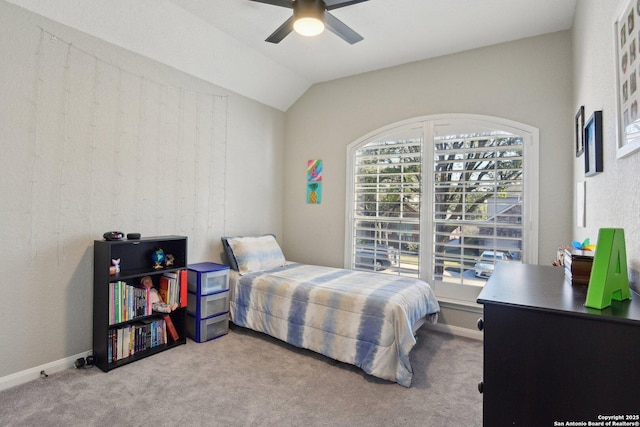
(95,138)
(612,196)
(528,81)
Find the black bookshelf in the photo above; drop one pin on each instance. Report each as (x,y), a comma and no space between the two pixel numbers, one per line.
(136,261)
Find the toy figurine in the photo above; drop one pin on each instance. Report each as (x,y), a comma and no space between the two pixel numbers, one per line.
(158,258)
(169,260)
(157,304)
(115,266)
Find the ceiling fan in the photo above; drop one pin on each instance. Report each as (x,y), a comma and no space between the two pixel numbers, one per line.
(310,17)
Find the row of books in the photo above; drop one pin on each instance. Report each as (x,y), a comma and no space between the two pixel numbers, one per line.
(171,286)
(126,302)
(140,336)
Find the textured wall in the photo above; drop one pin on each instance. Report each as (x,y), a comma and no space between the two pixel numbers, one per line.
(611,197)
(95,138)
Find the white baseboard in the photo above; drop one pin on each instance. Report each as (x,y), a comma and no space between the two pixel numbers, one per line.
(31,374)
(456,330)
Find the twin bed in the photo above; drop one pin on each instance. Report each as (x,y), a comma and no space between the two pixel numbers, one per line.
(361,318)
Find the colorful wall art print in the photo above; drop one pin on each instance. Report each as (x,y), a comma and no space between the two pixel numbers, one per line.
(314,170)
(314,181)
(314,192)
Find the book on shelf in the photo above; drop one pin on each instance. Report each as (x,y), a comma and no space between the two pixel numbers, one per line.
(146,333)
(116,302)
(171,329)
(124,302)
(119,341)
(110,345)
(112,310)
(126,342)
(183,288)
(164,288)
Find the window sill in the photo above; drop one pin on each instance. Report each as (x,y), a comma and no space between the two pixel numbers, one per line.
(456,304)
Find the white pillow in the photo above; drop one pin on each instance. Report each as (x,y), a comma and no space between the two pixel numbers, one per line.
(256,253)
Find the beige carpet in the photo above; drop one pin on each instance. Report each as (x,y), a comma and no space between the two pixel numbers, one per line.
(249,379)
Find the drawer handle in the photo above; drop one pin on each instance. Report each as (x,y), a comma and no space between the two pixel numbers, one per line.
(480,323)
(481,386)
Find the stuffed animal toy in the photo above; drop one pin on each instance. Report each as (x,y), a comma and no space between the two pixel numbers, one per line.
(157,304)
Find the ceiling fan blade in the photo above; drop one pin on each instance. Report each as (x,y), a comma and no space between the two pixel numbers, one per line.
(283,3)
(340,29)
(282,31)
(335,4)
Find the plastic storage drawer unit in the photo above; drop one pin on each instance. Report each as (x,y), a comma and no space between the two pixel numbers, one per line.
(209,328)
(208,278)
(207,301)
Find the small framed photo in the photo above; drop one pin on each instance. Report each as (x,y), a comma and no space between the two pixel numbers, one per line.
(579,126)
(593,145)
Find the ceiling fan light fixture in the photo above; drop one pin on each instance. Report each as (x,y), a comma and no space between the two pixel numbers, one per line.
(308,26)
(310,17)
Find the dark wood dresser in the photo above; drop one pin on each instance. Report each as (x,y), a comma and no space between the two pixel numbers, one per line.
(548,359)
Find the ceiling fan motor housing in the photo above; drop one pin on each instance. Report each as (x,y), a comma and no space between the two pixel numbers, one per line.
(309,9)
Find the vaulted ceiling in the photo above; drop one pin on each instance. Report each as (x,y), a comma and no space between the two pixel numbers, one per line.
(222,41)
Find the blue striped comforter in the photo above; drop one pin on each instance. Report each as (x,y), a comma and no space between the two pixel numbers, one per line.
(356,317)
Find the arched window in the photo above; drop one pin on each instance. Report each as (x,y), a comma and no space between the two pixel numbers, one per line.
(443,198)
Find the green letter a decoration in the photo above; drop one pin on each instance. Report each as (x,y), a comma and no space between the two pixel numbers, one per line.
(609,277)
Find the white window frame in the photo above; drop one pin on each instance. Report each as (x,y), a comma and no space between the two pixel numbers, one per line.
(448,291)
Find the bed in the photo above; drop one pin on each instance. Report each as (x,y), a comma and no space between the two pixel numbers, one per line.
(362,318)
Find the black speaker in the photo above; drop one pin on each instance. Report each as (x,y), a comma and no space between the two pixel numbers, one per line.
(133,236)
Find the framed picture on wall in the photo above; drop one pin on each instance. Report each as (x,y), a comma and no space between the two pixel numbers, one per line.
(579,125)
(627,31)
(593,145)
